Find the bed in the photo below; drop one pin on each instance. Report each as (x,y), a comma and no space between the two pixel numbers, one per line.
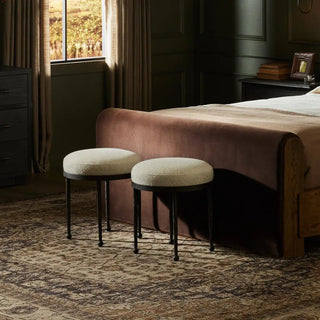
(266,155)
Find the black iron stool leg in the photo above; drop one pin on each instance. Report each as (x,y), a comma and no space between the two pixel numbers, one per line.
(139,215)
(175,225)
(210,216)
(171,219)
(136,214)
(99,207)
(107,202)
(67,181)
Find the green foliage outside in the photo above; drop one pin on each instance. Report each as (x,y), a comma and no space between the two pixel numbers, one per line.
(84,25)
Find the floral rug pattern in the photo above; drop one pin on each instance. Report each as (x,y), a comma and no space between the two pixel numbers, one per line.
(43,275)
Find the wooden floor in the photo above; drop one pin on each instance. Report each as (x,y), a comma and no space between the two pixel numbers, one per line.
(40,185)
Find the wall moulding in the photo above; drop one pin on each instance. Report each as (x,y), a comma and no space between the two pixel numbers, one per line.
(175,84)
(242,19)
(164,26)
(304,21)
(215,86)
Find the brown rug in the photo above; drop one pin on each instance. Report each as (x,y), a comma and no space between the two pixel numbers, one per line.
(45,276)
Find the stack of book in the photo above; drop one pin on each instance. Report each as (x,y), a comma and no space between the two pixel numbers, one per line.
(274,71)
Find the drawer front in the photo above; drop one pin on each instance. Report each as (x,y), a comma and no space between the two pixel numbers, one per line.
(13,90)
(14,158)
(13,124)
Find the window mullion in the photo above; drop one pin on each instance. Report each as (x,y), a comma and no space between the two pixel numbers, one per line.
(89,31)
(64,30)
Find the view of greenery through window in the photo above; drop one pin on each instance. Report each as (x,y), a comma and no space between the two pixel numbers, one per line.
(84,29)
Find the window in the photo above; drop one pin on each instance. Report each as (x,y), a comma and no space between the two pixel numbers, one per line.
(76,29)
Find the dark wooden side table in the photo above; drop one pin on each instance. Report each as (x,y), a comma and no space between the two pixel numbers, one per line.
(253,88)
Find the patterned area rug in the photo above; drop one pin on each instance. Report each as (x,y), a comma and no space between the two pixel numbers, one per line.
(43,275)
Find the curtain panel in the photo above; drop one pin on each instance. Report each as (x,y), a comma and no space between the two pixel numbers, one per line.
(128,53)
(26,44)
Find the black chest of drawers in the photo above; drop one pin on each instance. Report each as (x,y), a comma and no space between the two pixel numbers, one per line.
(15,125)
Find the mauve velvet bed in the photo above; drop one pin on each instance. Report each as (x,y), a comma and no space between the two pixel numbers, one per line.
(261,202)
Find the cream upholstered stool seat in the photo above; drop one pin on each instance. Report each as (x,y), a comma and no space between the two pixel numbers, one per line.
(102,165)
(171,175)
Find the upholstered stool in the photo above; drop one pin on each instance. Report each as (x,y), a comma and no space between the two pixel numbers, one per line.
(100,164)
(171,175)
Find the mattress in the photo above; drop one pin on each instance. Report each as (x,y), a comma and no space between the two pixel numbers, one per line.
(308,104)
(296,114)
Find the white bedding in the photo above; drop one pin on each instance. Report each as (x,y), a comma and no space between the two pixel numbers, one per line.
(308,104)
(296,114)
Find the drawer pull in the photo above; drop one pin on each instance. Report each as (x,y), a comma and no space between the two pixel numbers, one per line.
(5,159)
(5,126)
(4,91)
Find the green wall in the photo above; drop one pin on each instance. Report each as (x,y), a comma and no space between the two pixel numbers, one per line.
(201,48)
(236,36)
(173,53)
(78,95)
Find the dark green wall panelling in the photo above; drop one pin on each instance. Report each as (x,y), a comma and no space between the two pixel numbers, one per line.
(173,56)
(236,36)
(167,23)
(78,95)
(224,19)
(215,43)
(309,18)
(79,89)
(232,44)
(174,85)
(172,80)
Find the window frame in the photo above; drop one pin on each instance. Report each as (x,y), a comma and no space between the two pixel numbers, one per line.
(65,37)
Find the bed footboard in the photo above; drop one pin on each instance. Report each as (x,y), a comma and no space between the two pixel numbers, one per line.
(291,181)
(273,160)
(309,213)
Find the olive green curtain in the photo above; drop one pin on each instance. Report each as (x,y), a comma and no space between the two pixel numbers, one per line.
(128,53)
(26,44)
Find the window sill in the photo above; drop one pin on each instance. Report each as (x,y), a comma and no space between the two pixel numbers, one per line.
(78,67)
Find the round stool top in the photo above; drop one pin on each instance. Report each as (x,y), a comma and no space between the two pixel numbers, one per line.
(172,172)
(100,162)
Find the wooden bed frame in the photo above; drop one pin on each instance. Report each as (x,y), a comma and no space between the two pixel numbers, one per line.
(298,209)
